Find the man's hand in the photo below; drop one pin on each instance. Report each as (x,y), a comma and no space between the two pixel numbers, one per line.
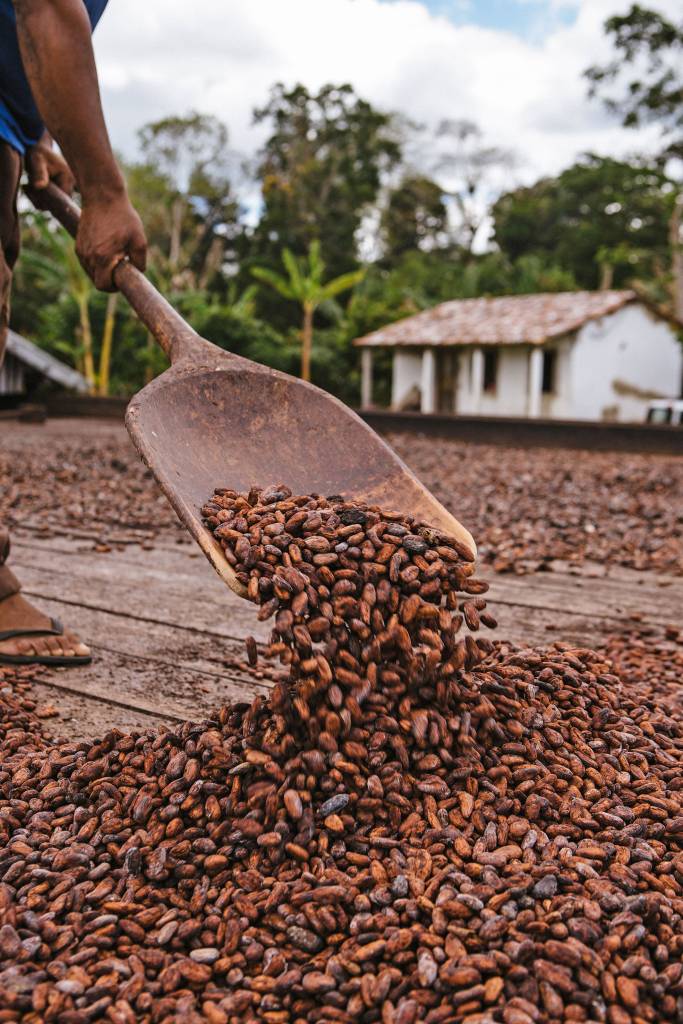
(110,230)
(45,164)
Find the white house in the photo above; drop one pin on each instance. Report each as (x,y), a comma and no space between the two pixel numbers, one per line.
(567,355)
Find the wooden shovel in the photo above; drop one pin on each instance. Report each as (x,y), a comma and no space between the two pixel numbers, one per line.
(215,419)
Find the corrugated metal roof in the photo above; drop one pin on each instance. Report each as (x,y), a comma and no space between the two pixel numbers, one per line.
(506,320)
(38,359)
(11,376)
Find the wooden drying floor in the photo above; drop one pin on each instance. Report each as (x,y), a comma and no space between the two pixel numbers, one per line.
(166,633)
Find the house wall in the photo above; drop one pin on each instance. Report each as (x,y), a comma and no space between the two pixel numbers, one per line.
(510,395)
(620,362)
(406,374)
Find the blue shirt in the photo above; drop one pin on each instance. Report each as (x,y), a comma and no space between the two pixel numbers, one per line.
(20,122)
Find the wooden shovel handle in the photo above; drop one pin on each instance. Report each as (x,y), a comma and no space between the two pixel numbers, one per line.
(175,336)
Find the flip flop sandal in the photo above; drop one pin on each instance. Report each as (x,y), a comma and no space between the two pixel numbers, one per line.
(37,659)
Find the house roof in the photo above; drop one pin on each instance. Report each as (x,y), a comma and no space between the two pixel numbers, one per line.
(38,359)
(506,320)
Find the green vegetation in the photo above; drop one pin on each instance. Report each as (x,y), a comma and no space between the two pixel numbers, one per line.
(647,72)
(602,220)
(351,231)
(304,284)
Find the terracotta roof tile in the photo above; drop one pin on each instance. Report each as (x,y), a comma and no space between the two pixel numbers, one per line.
(506,320)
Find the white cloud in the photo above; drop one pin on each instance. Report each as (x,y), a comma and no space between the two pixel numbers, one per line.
(221,56)
(554,5)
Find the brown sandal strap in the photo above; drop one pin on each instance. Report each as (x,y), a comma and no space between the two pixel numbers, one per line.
(10,634)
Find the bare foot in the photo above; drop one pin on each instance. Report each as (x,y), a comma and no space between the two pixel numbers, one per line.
(17,613)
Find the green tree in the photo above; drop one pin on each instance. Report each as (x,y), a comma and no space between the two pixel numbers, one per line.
(597,205)
(320,169)
(50,262)
(184,191)
(55,265)
(304,284)
(647,72)
(152,193)
(232,326)
(415,217)
(104,375)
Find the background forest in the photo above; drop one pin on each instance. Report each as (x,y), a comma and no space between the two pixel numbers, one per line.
(352,217)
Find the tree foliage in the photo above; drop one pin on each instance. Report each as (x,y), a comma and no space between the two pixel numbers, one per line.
(596,207)
(646,71)
(320,169)
(415,217)
(304,284)
(184,189)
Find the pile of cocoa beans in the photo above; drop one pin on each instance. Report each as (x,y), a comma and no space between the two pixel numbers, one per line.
(532,506)
(411,828)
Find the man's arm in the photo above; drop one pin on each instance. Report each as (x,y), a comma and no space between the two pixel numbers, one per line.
(56,49)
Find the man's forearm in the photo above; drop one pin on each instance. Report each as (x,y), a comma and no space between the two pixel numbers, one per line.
(56,49)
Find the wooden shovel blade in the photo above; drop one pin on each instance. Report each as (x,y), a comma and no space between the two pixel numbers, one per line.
(215,419)
(236,424)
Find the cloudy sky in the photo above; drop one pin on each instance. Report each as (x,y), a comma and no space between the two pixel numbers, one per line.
(513,66)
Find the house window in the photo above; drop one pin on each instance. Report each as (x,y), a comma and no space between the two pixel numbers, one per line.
(659,414)
(549,367)
(490,368)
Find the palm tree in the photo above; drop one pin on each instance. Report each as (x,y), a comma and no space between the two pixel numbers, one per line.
(58,268)
(304,284)
(107,341)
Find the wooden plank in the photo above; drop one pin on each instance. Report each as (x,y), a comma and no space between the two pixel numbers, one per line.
(173,587)
(655,601)
(208,654)
(540,626)
(136,693)
(146,667)
(34,540)
(82,716)
(167,634)
(17,435)
(189,646)
(150,688)
(186,594)
(98,686)
(141,667)
(68,539)
(222,661)
(589,573)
